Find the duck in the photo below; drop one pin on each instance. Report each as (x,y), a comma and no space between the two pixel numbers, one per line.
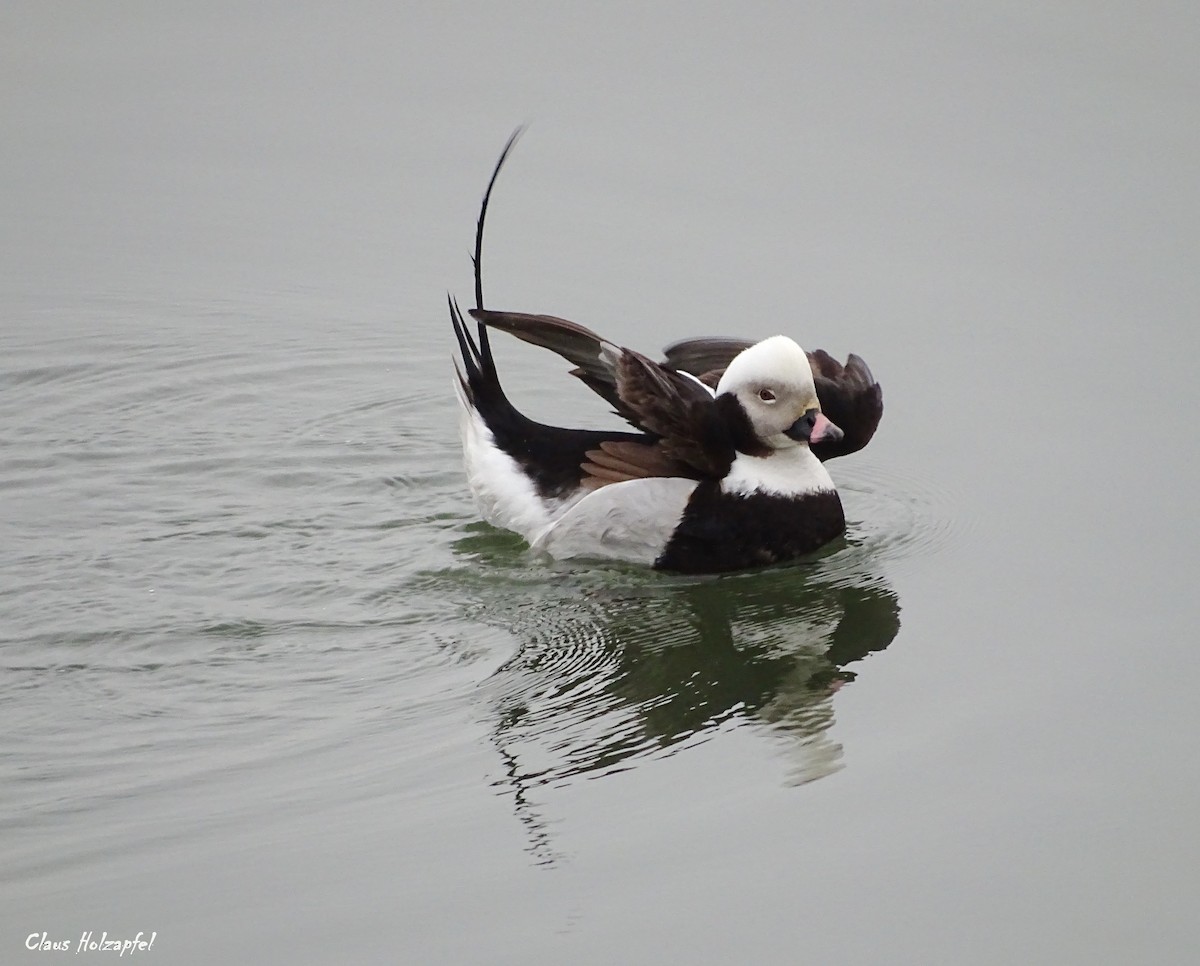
(722,467)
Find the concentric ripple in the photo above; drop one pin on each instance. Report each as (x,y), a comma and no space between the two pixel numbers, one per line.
(893,515)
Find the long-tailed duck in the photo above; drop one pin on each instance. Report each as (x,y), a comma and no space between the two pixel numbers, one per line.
(725,467)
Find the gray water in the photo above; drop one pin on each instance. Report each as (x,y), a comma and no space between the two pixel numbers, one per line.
(271,694)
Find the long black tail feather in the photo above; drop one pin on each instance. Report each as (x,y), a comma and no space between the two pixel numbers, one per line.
(551,456)
(477,258)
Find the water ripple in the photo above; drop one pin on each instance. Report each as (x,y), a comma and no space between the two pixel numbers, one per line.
(896,515)
(206,544)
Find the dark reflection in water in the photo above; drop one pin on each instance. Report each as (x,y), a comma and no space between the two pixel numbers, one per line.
(615,665)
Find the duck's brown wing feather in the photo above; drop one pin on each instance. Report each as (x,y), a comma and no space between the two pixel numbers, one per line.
(616,461)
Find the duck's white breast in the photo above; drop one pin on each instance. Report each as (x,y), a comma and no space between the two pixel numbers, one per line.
(794,471)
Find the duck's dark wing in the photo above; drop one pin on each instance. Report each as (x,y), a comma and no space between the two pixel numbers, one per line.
(850,397)
(679,410)
(849,394)
(574,342)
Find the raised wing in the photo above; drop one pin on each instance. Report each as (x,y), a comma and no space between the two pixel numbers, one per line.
(574,342)
(678,409)
(850,397)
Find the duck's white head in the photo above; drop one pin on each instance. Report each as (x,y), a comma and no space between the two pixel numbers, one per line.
(773,382)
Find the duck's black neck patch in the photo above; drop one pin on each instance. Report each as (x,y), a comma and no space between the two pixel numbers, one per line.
(737,425)
(725,531)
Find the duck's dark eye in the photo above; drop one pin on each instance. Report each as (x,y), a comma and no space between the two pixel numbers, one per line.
(766,395)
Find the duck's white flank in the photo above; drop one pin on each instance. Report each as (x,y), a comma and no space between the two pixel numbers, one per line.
(794,471)
(504,493)
(631,521)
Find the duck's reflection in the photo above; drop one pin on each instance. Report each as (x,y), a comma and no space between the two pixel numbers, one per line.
(612,669)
